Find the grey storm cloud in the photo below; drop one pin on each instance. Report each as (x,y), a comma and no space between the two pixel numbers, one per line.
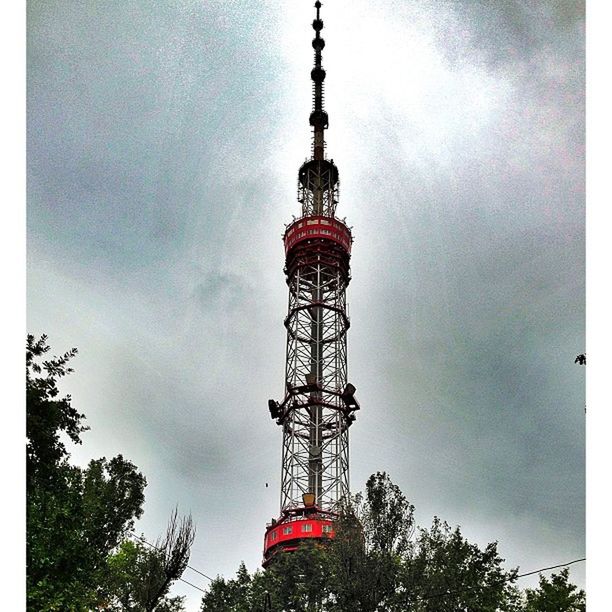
(225,291)
(163,146)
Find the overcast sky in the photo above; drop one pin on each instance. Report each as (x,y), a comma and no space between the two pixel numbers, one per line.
(164,140)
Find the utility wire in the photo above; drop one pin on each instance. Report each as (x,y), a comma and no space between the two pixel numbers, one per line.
(135,535)
(509,578)
(544,569)
(193,585)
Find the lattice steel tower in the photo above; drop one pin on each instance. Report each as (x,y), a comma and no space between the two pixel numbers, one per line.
(319,403)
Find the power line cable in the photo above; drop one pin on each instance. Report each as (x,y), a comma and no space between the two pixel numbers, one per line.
(134,534)
(459,591)
(544,569)
(193,585)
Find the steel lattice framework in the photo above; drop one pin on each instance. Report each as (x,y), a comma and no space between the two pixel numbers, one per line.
(318,404)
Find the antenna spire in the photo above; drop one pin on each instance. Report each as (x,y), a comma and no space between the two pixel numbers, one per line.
(318,177)
(318,118)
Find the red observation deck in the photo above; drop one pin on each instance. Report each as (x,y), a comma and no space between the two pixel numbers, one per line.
(287,533)
(308,228)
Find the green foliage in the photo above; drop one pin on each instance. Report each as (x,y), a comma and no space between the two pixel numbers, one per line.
(75,517)
(366,553)
(296,583)
(72,527)
(388,517)
(136,580)
(220,596)
(237,595)
(300,582)
(139,576)
(120,576)
(350,564)
(171,604)
(555,595)
(48,416)
(445,572)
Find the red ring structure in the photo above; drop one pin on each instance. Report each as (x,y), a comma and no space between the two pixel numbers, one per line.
(292,529)
(318,226)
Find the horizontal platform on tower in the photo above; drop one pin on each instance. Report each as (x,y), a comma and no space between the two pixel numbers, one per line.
(308,228)
(294,527)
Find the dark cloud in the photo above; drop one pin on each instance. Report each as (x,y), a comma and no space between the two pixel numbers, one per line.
(223,291)
(510,32)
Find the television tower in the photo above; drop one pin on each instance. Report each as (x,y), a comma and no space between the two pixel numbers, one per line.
(319,403)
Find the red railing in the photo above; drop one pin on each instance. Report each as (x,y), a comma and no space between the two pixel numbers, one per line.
(308,228)
(299,529)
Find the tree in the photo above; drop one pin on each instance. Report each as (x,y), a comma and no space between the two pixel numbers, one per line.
(367,551)
(388,517)
(555,595)
(47,416)
(75,517)
(443,572)
(388,524)
(220,597)
(139,576)
(351,566)
(237,595)
(300,581)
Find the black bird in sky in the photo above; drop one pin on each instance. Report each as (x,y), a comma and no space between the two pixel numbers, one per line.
(581,359)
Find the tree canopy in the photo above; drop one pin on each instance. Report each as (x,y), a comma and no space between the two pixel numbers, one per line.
(139,575)
(555,595)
